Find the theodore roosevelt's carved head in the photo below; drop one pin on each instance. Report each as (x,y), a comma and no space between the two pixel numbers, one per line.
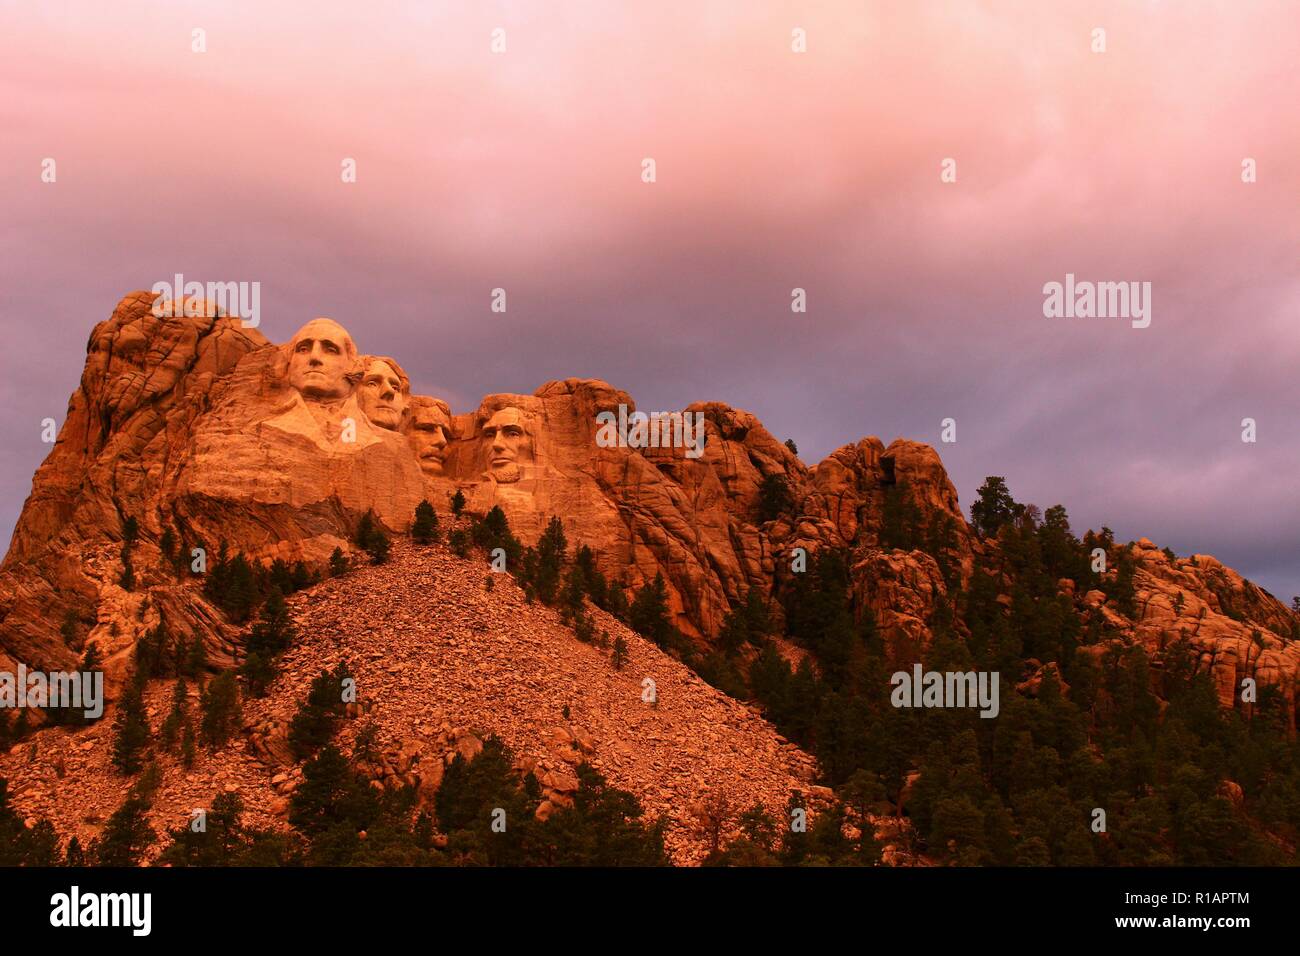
(429,431)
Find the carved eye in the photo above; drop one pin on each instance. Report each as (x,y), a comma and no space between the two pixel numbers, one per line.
(304,346)
(330,347)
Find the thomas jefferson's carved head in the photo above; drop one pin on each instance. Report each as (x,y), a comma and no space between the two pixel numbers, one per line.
(429,431)
(506,444)
(384,391)
(321,360)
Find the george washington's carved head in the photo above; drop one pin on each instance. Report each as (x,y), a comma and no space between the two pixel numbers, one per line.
(322,361)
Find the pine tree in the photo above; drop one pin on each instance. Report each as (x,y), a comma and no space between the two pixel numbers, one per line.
(126,835)
(493,532)
(619,657)
(315,722)
(269,637)
(603,828)
(617,600)
(593,582)
(130,729)
(425,528)
(220,707)
(1123,590)
(551,549)
(196,658)
(774,497)
(127,579)
(331,796)
(457,503)
(371,538)
(188,747)
(648,615)
(993,508)
(176,718)
(338,563)
(75,855)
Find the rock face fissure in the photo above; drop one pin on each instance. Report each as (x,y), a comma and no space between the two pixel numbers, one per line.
(196,426)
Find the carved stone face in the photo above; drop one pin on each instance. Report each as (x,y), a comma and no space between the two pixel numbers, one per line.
(321,355)
(382,396)
(429,434)
(506,445)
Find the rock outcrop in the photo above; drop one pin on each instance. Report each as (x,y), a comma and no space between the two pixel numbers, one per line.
(200,431)
(440,663)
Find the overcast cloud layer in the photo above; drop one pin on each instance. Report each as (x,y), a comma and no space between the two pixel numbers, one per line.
(775,170)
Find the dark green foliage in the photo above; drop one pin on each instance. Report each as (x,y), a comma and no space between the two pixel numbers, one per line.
(318,716)
(153,655)
(747,624)
(371,538)
(225,840)
(75,854)
(901,523)
(1122,590)
(459,542)
(220,709)
(993,508)
(20,846)
(593,583)
(476,793)
(130,530)
(269,637)
(175,721)
(188,745)
(331,807)
(757,844)
(794,449)
(338,563)
(1020,790)
(127,835)
(492,531)
(616,601)
(604,828)
(196,658)
(424,530)
(130,729)
(774,497)
(648,615)
(540,567)
(619,655)
(231,585)
(127,579)
(457,503)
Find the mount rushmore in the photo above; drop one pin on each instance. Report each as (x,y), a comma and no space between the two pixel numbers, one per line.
(191,424)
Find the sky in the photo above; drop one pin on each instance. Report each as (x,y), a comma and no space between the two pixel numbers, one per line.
(774,170)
